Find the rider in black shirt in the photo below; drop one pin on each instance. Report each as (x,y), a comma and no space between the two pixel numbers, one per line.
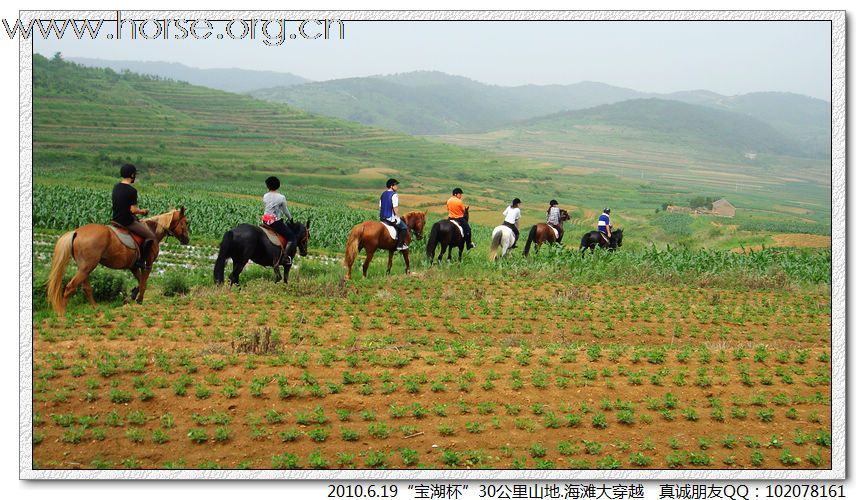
(124,208)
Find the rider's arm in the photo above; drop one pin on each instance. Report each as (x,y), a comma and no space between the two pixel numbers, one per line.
(284,208)
(138,211)
(395,202)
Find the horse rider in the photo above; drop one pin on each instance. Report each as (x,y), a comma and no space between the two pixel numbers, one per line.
(554,218)
(457,212)
(124,208)
(512,217)
(605,227)
(389,214)
(274,207)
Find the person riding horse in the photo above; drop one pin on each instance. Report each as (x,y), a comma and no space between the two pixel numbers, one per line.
(388,213)
(605,227)
(124,208)
(512,216)
(274,207)
(554,219)
(457,212)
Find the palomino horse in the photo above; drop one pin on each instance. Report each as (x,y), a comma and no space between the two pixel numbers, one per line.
(503,237)
(542,232)
(247,242)
(373,235)
(594,238)
(95,244)
(446,234)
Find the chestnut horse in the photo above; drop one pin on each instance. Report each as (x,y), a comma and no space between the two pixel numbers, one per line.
(372,235)
(541,232)
(95,244)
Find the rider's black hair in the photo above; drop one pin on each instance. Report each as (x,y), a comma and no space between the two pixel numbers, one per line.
(272,183)
(516,202)
(457,191)
(128,170)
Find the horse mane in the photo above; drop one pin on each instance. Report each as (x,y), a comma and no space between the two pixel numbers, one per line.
(162,220)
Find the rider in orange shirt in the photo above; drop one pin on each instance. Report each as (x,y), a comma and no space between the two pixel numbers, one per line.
(458,211)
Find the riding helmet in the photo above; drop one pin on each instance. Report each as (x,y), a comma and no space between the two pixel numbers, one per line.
(457,191)
(128,170)
(272,183)
(391,182)
(553,203)
(607,210)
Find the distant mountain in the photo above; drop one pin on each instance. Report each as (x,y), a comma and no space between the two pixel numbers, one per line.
(666,121)
(227,79)
(430,102)
(805,119)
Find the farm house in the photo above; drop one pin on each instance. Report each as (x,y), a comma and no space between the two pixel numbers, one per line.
(723,208)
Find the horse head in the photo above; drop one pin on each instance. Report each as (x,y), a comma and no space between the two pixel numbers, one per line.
(617,238)
(303,241)
(565,216)
(179,227)
(416,222)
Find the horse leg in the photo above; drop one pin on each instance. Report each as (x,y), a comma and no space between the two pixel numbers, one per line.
(236,269)
(389,261)
(142,285)
(278,277)
(367,260)
(450,248)
(137,273)
(405,257)
(441,253)
(80,277)
(460,254)
(285,268)
(88,291)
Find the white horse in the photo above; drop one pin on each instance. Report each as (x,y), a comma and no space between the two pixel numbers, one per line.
(503,237)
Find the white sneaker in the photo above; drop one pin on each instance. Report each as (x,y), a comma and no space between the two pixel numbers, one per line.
(402,247)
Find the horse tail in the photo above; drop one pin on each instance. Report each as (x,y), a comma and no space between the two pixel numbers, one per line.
(433,241)
(530,239)
(352,248)
(62,254)
(497,242)
(224,249)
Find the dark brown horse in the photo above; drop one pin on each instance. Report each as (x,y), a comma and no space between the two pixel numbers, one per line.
(373,235)
(542,233)
(445,234)
(95,244)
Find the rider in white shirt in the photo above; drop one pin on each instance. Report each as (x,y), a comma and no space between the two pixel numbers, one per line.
(512,216)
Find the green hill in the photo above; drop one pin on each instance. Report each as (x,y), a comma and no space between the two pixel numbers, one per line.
(429,102)
(228,79)
(86,120)
(670,122)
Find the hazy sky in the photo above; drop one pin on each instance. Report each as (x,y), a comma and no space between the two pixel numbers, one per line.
(729,57)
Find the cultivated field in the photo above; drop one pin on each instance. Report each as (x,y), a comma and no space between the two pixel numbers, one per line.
(454,367)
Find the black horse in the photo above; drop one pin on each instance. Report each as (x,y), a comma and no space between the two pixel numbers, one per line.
(594,238)
(448,235)
(247,242)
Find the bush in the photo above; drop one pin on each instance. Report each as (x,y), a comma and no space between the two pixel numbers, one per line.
(174,284)
(107,285)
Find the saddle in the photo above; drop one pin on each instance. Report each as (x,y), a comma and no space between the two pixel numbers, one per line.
(274,237)
(460,228)
(555,231)
(391,230)
(278,240)
(126,236)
